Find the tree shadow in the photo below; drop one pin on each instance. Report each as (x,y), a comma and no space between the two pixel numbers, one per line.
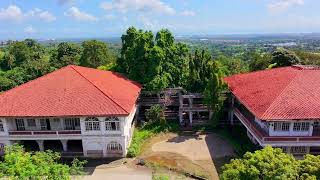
(182,138)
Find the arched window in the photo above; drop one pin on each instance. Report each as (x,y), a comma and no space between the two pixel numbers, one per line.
(92,124)
(112,124)
(114,147)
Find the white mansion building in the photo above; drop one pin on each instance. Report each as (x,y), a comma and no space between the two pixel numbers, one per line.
(279,107)
(75,110)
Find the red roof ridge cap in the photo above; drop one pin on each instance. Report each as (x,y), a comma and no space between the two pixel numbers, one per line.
(73,67)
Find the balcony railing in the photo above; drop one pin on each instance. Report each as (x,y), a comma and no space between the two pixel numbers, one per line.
(261,136)
(35,133)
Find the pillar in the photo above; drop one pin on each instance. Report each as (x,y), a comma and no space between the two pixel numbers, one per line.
(180,116)
(64,145)
(190,118)
(231,109)
(40,144)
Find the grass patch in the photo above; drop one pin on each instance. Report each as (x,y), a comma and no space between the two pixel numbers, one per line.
(160,177)
(142,134)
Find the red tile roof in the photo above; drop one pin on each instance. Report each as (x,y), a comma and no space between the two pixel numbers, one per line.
(279,94)
(71,91)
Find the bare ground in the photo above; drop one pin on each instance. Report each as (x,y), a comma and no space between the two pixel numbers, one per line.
(199,155)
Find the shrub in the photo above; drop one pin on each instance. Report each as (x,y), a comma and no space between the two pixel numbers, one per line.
(155,114)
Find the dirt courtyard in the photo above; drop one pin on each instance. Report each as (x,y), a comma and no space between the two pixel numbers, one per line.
(198,155)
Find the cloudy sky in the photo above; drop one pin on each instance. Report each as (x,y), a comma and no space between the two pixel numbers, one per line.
(106,18)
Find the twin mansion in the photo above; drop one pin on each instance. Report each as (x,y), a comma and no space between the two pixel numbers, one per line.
(279,107)
(75,110)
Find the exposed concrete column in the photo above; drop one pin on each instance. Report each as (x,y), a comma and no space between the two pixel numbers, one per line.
(180,116)
(231,109)
(64,145)
(40,144)
(190,118)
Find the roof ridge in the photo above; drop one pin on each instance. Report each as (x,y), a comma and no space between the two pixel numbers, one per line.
(282,91)
(98,88)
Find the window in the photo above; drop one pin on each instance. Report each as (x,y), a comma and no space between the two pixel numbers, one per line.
(301,126)
(92,124)
(31,122)
(283,148)
(298,150)
(281,126)
(114,147)
(112,124)
(20,125)
(72,123)
(43,124)
(1,126)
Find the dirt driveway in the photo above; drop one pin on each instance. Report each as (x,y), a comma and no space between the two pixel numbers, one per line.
(193,154)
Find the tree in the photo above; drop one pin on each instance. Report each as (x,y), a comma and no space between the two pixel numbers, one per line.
(213,91)
(157,62)
(282,57)
(65,54)
(272,163)
(259,61)
(135,58)
(95,53)
(18,164)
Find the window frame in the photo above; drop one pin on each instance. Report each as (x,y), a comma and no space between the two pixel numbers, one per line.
(1,126)
(281,126)
(31,123)
(111,122)
(92,124)
(114,147)
(301,126)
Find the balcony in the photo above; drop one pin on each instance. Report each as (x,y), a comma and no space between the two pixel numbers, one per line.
(45,133)
(264,139)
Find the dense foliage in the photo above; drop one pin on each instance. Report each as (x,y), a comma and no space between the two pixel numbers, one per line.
(271,163)
(155,114)
(23,61)
(18,164)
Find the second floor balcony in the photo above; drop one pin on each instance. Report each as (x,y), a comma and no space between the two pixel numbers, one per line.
(44,126)
(304,133)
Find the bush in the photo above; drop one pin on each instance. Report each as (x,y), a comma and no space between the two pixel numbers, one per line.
(272,163)
(155,114)
(18,164)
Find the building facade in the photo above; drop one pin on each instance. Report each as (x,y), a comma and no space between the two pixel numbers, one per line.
(63,118)
(279,107)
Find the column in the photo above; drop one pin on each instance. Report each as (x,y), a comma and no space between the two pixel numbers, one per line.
(190,118)
(40,144)
(64,145)
(231,109)
(180,116)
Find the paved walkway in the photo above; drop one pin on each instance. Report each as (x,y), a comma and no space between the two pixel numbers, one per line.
(120,173)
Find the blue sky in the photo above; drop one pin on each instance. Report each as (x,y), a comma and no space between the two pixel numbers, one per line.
(109,18)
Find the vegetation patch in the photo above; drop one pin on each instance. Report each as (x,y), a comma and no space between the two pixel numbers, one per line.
(272,163)
(142,134)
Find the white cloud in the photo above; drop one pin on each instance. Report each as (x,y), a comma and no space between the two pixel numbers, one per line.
(188,13)
(109,17)
(41,14)
(139,5)
(277,6)
(14,13)
(11,13)
(29,30)
(75,13)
